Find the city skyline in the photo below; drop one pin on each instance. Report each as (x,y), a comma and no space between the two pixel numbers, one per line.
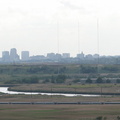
(70,55)
(12,57)
(13,52)
(67,26)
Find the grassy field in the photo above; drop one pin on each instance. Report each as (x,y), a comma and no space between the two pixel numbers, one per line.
(66,88)
(58,112)
(46,98)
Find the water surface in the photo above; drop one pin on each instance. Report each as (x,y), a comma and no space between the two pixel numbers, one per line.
(5,90)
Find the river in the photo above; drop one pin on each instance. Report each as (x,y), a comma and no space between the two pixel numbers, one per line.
(5,90)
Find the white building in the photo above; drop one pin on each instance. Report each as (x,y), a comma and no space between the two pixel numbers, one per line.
(81,55)
(25,55)
(66,55)
(13,55)
(5,56)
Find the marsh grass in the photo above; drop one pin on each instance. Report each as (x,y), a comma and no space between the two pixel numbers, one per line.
(74,88)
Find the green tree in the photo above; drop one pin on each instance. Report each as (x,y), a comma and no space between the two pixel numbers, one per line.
(88,80)
(52,79)
(76,80)
(118,118)
(99,80)
(110,68)
(108,81)
(62,70)
(118,81)
(99,118)
(88,69)
(61,78)
(46,80)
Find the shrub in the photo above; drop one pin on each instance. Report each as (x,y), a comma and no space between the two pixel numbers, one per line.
(99,118)
(60,78)
(99,80)
(88,80)
(76,81)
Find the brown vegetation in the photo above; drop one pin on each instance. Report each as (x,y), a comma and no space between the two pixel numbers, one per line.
(58,112)
(113,89)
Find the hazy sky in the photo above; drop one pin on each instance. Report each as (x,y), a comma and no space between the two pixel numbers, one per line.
(38,25)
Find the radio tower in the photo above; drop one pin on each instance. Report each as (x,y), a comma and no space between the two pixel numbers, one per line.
(78,39)
(98,45)
(58,36)
(58,43)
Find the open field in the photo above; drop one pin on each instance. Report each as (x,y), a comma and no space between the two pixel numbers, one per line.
(46,98)
(58,112)
(113,89)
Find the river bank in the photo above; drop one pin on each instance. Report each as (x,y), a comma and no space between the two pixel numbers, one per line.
(91,89)
(62,92)
(6,91)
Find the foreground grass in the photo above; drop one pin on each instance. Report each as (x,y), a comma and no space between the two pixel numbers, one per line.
(56,98)
(58,112)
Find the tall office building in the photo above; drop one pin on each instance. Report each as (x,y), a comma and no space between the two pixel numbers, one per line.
(51,55)
(25,55)
(5,56)
(81,55)
(13,55)
(89,57)
(66,55)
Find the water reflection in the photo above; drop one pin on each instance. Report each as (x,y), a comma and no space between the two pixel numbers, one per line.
(5,90)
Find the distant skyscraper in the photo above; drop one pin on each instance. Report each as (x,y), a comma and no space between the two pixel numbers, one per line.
(13,55)
(25,55)
(66,55)
(51,55)
(96,56)
(5,56)
(81,56)
(89,57)
(58,56)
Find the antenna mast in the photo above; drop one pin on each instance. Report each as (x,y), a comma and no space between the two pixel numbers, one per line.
(98,44)
(58,35)
(78,38)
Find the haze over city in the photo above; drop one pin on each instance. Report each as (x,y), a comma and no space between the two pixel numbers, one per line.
(64,26)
